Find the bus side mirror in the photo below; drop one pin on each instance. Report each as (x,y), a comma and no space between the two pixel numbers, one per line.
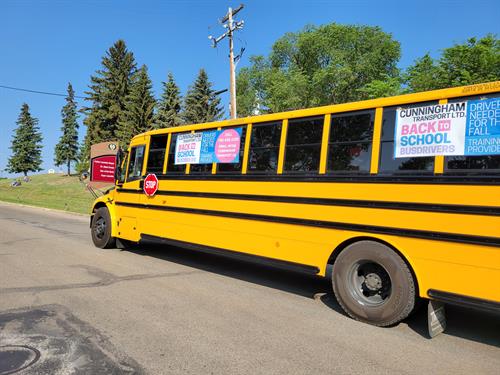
(118,168)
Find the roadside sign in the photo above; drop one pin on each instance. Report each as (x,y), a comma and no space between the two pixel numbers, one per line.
(103,164)
(103,168)
(150,185)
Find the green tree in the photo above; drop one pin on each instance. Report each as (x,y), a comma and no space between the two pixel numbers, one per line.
(169,106)
(66,150)
(107,94)
(201,104)
(318,66)
(26,144)
(425,74)
(138,114)
(381,88)
(475,61)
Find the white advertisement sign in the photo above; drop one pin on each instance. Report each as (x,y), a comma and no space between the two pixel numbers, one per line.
(430,130)
(187,148)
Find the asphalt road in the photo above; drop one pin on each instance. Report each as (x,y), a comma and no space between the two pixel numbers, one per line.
(164,310)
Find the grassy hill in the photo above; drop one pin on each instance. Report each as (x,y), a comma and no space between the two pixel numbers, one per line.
(49,190)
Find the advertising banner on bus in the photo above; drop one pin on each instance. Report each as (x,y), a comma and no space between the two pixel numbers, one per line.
(463,128)
(214,146)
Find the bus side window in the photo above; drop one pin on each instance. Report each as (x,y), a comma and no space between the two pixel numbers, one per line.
(303,145)
(156,156)
(234,167)
(264,147)
(350,144)
(171,167)
(135,164)
(390,165)
(200,169)
(482,164)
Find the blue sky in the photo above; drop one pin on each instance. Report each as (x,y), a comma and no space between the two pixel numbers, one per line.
(46,44)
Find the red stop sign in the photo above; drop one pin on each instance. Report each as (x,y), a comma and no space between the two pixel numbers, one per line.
(150,184)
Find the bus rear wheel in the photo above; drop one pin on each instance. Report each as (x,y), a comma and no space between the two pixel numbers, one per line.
(373,284)
(101,229)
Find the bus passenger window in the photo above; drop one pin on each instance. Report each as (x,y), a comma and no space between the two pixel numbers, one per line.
(350,144)
(156,156)
(303,145)
(171,167)
(264,147)
(135,164)
(200,169)
(388,163)
(234,167)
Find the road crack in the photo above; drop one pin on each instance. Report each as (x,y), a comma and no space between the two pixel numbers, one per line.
(105,279)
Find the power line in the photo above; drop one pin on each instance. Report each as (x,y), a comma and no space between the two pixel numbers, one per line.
(231,27)
(38,92)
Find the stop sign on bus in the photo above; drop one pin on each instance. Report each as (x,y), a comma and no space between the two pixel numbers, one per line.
(150,184)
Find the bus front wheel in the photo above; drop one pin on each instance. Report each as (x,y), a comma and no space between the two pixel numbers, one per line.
(373,284)
(101,229)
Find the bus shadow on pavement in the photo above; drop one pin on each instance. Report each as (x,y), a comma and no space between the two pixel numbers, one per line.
(302,284)
(462,322)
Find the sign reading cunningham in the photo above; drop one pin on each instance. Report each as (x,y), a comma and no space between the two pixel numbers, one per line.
(463,128)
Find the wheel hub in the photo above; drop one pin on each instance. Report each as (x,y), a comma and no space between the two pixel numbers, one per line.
(100,227)
(369,283)
(373,282)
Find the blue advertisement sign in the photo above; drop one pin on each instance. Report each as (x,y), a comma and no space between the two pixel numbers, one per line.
(207,147)
(482,132)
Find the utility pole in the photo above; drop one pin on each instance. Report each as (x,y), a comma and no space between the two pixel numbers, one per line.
(231,27)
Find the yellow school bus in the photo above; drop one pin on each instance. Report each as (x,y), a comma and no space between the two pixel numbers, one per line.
(399,195)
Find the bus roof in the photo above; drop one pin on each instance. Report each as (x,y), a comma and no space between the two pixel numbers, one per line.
(477,89)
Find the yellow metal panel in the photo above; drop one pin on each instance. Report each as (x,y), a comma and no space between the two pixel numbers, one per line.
(477,225)
(324,144)
(377,133)
(453,194)
(248,137)
(440,265)
(214,165)
(439,159)
(165,163)
(146,155)
(281,155)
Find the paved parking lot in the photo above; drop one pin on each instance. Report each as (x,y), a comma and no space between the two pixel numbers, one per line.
(163,310)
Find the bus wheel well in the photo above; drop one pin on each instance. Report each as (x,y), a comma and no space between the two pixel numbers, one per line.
(98,205)
(341,247)
(94,209)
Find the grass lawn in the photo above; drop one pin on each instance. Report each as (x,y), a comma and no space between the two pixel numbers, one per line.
(49,190)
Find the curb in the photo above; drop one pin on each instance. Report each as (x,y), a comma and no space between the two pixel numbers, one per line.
(43,208)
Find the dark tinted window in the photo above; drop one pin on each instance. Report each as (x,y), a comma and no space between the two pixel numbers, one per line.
(473,164)
(156,156)
(264,148)
(350,144)
(303,145)
(135,164)
(200,168)
(234,167)
(171,167)
(388,163)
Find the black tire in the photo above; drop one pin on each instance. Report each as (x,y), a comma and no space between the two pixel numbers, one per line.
(101,229)
(373,284)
